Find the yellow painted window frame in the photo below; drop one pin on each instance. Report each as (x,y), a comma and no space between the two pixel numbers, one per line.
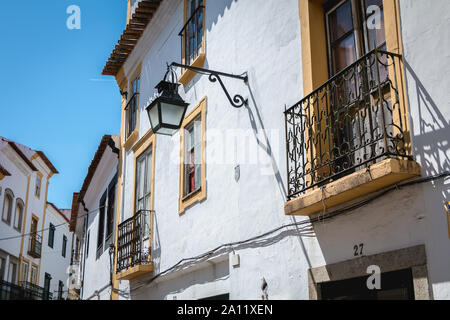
(146,142)
(37,273)
(314,52)
(130,140)
(27,261)
(200,194)
(188,75)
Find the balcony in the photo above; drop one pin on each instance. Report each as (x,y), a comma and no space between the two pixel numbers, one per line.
(35,245)
(134,246)
(23,291)
(348,138)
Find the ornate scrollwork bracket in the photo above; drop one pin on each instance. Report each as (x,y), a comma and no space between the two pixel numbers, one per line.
(237,101)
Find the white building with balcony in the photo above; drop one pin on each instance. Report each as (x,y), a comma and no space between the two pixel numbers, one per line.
(337,167)
(93,221)
(26,264)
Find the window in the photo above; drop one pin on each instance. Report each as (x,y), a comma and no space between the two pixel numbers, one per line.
(34,274)
(192,32)
(12,270)
(192,157)
(143,181)
(18,215)
(37,191)
(192,170)
(7,206)
(60,290)
(101,225)
(2,266)
(110,213)
(87,246)
(51,235)
(132,107)
(192,38)
(64,246)
(348,34)
(25,266)
(47,281)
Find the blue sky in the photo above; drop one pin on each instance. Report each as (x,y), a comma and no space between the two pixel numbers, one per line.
(54,97)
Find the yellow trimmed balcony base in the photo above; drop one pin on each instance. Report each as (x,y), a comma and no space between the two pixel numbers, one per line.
(135,272)
(131,140)
(187,75)
(378,176)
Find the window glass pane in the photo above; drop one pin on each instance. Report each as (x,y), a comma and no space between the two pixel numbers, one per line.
(141,179)
(7,207)
(149,174)
(340,21)
(369,3)
(344,53)
(18,216)
(376,36)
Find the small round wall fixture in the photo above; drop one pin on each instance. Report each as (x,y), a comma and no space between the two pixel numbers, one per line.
(166,112)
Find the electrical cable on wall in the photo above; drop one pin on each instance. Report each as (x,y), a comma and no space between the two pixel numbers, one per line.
(296,224)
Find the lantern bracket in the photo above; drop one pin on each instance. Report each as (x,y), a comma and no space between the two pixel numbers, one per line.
(237,101)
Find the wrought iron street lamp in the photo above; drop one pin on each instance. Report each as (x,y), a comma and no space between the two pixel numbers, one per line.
(166,112)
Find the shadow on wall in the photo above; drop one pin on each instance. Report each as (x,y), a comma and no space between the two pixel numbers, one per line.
(410,215)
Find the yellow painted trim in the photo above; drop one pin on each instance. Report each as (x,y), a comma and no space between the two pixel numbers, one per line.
(23,259)
(128,11)
(188,75)
(35,156)
(447,208)
(135,272)
(37,275)
(25,217)
(115,281)
(353,186)
(201,194)
(149,140)
(135,134)
(146,142)
(43,221)
(394,45)
(131,140)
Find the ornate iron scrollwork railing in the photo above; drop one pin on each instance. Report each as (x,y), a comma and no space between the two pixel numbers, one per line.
(23,291)
(350,122)
(35,245)
(133,241)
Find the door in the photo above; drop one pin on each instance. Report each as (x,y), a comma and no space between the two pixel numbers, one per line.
(354,28)
(395,285)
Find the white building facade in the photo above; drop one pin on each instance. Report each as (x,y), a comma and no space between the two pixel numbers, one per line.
(26,214)
(302,204)
(93,221)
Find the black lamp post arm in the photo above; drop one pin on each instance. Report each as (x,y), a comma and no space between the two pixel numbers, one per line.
(237,101)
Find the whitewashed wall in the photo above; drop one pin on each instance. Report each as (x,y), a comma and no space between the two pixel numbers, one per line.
(53,262)
(263,38)
(97,271)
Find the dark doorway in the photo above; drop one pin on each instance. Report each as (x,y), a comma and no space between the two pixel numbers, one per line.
(219,297)
(395,285)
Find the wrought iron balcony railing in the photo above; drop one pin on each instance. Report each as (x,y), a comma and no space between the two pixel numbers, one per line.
(35,245)
(23,291)
(192,36)
(133,241)
(350,122)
